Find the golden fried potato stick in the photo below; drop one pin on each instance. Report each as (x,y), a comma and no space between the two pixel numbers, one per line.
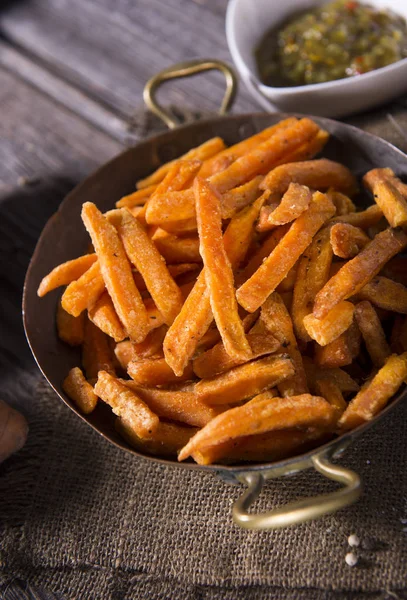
(176,249)
(266,248)
(66,273)
(84,292)
(272,271)
(342,351)
(358,271)
(104,316)
(96,352)
(320,174)
(126,404)
(239,197)
(70,329)
(338,376)
(188,329)
(363,219)
(80,391)
(342,203)
(312,274)
(295,201)
(203,152)
(337,321)
(124,353)
(308,150)
(392,202)
(386,294)
(174,270)
(166,440)
(218,272)
(245,380)
(155,371)
(143,254)
(269,414)
(116,272)
(217,360)
(218,163)
(263,447)
(152,345)
(181,406)
(374,396)
(372,333)
(332,394)
(277,321)
(346,240)
(137,198)
(170,207)
(265,156)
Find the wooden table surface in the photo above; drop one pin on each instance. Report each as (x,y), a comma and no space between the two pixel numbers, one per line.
(71,80)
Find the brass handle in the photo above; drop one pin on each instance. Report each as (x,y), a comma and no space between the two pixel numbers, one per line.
(302,510)
(185,69)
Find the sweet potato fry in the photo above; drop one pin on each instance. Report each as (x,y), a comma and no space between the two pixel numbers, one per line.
(104,316)
(84,292)
(239,197)
(287,284)
(245,380)
(126,404)
(332,394)
(218,272)
(396,269)
(155,371)
(347,241)
(263,252)
(124,353)
(308,150)
(80,391)
(71,330)
(116,272)
(267,415)
(295,201)
(278,322)
(372,333)
(392,202)
(170,207)
(374,396)
(176,249)
(386,294)
(342,203)
(150,264)
(181,406)
(263,282)
(263,447)
(263,157)
(363,219)
(359,271)
(137,198)
(312,274)
(217,360)
(338,376)
(96,352)
(320,174)
(227,156)
(166,440)
(203,152)
(341,351)
(152,345)
(337,321)
(66,273)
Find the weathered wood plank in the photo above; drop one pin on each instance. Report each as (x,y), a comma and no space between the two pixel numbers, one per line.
(110,49)
(54,150)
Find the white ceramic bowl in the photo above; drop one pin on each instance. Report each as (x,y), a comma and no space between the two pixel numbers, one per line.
(248,20)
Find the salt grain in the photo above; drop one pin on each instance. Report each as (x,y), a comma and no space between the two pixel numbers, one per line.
(353,540)
(351,559)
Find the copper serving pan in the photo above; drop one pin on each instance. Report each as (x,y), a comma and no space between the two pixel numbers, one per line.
(64,238)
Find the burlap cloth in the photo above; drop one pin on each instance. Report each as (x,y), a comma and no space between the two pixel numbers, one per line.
(82,519)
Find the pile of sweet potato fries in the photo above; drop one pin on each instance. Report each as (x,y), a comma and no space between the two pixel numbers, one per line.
(236,306)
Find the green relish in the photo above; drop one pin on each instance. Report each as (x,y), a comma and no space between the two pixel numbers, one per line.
(340,39)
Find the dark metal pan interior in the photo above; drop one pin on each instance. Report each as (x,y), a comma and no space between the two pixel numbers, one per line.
(64,238)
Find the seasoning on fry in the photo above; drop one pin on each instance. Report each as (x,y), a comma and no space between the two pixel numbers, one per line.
(80,391)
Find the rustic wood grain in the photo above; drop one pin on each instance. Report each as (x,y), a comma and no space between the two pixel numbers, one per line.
(110,49)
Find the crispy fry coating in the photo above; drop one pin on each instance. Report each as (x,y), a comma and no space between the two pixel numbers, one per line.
(80,391)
